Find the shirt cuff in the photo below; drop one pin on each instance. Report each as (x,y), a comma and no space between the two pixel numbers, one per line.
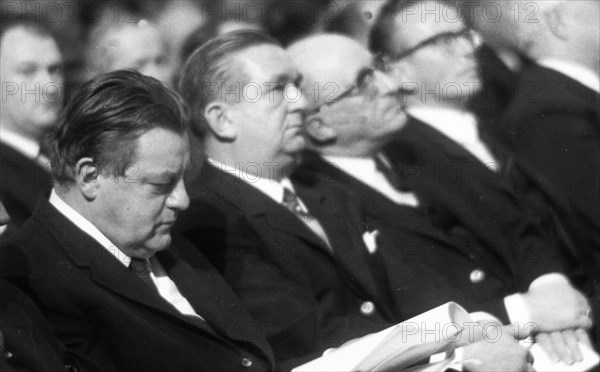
(515,304)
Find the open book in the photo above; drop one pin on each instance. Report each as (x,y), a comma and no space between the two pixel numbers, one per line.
(409,345)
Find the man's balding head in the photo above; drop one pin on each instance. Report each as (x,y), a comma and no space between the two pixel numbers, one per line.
(140,46)
(564,29)
(355,108)
(328,62)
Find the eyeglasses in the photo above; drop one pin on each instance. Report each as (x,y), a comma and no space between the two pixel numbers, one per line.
(362,82)
(448,39)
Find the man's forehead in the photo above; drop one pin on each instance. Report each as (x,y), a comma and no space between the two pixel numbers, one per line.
(25,46)
(425,20)
(267,63)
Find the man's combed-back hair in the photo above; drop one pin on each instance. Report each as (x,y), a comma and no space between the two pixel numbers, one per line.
(210,69)
(105,117)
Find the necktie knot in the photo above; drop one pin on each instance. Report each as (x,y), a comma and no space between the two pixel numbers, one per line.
(383,166)
(291,202)
(140,268)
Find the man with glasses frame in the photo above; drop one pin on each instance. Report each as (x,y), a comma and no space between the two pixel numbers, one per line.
(465,179)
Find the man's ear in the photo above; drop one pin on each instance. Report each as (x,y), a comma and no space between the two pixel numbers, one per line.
(318,131)
(218,117)
(555,22)
(86,177)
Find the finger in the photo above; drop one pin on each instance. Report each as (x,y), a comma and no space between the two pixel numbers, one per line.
(543,339)
(572,342)
(583,337)
(561,348)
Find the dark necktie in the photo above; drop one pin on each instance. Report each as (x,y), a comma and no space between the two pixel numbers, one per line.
(140,268)
(291,202)
(388,172)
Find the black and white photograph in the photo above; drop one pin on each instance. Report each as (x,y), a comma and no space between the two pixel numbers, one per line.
(300,185)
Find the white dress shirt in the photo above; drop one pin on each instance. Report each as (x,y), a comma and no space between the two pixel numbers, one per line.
(365,170)
(575,71)
(272,188)
(166,287)
(459,126)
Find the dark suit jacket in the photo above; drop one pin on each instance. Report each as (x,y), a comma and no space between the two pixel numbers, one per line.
(427,265)
(498,86)
(23,183)
(99,308)
(505,211)
(306,298)
(27,343)
(554,126)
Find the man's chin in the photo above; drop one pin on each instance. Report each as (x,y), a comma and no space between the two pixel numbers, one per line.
(158,243)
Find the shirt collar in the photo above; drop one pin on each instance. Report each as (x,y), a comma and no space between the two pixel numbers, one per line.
(353,165)
(575,71)
(87,227)
(271,187)
(26,146)
(460,126)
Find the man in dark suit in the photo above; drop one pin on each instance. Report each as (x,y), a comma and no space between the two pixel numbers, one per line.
(348,135)
(310,283)
(554,122)
(298,259)
(99,258)
(441,148)
(32,97)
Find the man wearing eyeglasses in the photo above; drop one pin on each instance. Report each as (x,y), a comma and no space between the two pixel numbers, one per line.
(465,179)
(296,258)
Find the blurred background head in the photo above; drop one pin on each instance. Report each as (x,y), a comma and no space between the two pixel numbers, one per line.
(31,75)
(128,41)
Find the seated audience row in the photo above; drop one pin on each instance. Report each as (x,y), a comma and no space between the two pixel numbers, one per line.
(315,218)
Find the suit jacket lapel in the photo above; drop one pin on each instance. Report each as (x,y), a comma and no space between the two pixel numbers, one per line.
(342,220)
(376,204)
(255,203)
(105,269)
(211,297)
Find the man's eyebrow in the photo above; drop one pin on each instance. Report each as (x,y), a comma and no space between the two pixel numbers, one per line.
(287,78)
(166,175)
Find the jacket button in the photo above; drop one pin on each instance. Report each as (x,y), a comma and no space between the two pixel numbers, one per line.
(246,362)
(477,276)
(367,308)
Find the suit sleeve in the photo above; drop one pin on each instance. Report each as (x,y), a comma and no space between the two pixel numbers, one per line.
(565,149)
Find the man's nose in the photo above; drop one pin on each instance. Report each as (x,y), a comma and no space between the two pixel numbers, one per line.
(297,100)
(179,198)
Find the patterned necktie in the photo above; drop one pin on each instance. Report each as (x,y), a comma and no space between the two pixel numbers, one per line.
(140,268)
(291,202)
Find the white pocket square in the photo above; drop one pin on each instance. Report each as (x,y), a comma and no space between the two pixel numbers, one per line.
(370,239)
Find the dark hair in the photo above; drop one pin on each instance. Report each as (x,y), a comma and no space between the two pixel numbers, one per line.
(209,70)
(29,23)
(106,115)
(384,27)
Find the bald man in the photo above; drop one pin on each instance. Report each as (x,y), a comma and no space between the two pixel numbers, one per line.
(347,135)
